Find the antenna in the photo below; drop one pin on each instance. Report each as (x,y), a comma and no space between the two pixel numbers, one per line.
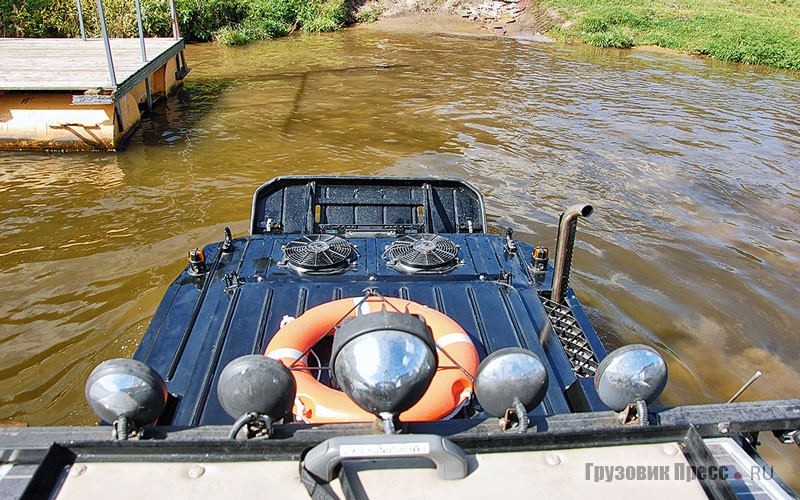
(747,384)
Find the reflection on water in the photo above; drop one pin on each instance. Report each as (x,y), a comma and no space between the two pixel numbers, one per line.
(691,165)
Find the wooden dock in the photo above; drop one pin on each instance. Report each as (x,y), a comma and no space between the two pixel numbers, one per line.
(59,94)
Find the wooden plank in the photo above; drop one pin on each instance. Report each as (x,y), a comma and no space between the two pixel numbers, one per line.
(77,65)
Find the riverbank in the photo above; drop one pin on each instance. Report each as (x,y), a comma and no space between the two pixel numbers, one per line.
(512,18)
(763,33)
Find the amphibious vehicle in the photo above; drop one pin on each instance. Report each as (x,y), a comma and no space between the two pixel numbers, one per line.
(371,338)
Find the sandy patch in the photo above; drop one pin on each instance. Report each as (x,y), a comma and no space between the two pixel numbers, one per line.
(486,18)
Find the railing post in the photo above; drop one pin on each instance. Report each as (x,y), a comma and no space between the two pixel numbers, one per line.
(107,43)
(80,20)
(144,55)
(175,31)
(141,30)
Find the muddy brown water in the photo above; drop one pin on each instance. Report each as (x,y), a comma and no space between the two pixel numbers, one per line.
(693,168)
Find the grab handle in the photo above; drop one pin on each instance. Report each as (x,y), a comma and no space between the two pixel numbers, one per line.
(323,460)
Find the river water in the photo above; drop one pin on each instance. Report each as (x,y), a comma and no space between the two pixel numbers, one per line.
(693,168)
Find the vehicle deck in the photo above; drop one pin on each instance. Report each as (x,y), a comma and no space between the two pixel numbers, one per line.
(234,309)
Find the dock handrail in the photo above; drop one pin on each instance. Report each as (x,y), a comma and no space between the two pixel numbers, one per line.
(176,33)
(144,54)
(107,43)
(80,20)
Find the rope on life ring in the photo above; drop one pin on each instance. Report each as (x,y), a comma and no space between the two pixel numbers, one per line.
(450,389)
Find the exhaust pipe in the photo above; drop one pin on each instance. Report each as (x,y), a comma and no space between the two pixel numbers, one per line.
(567,226)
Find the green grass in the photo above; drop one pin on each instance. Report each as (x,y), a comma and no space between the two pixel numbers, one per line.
(275,18)
(369,14)
(239,35)
(757,32)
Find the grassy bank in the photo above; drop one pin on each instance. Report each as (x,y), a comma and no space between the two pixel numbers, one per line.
(229,21)
(756,32)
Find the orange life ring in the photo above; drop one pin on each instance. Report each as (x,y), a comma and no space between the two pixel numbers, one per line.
(317,403)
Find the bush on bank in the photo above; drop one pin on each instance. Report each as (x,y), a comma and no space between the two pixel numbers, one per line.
(231,21)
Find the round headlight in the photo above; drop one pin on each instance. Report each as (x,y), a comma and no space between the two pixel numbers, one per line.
(126,388)
(256,383)
(509,374)
(384,361)
(631,373)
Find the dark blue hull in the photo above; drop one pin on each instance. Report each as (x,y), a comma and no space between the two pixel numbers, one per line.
(235,307)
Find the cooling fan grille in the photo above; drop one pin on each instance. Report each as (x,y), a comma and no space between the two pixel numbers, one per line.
(423,252)
(318,252)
